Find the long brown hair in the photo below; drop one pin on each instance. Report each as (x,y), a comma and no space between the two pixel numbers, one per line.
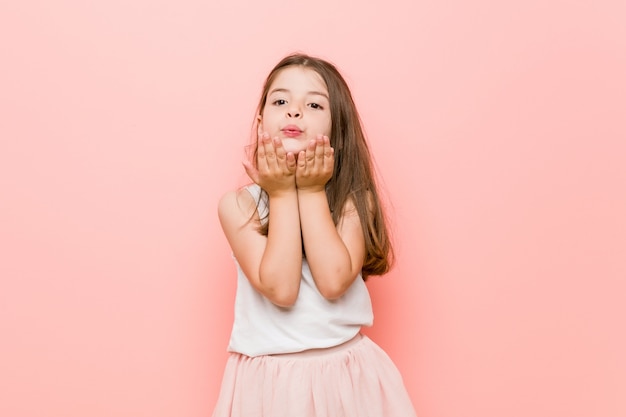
(353,175)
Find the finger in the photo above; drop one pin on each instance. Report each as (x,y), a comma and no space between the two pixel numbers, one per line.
(329,160)
(310,153)
(329,153)
(278,146)
(286,166)
(301,160)
(290,160)
(261,160)
(268,147)
(281,153)
(319,149)
(327,146)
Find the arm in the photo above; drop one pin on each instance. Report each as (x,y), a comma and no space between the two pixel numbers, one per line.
(335,254)
(272,263)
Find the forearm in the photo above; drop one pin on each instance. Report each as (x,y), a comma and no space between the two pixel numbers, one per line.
(326,252)
(280,270)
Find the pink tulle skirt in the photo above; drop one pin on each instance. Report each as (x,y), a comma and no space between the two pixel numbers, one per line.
(355,379)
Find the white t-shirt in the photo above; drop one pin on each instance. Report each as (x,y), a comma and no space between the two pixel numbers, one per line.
(263,328)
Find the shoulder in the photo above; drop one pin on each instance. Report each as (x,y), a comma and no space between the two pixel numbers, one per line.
(236,204)
(367,200)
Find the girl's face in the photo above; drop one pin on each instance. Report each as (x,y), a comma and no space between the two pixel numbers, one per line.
(297,108)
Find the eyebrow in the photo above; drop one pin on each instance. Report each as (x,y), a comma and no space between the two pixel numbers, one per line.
(285,90)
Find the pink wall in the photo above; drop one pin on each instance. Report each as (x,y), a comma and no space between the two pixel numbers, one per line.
(499,129)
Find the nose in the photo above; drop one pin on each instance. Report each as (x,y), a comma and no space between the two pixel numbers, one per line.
(294,112)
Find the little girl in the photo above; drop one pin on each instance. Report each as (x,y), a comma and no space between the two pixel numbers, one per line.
(304,237)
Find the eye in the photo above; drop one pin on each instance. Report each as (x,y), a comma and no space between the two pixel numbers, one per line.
(316,106)
(279,102)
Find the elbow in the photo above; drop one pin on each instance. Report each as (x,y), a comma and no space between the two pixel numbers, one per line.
(285,299)
(282,295)
(333,290)
(332,295)
(333,284)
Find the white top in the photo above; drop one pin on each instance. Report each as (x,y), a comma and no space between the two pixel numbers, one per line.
(263,328)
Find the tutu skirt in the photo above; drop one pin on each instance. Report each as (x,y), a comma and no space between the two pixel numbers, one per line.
(355,379)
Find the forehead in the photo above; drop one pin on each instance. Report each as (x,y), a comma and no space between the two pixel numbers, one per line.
(298,79)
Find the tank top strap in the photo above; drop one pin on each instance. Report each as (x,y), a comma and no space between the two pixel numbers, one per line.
(261,199)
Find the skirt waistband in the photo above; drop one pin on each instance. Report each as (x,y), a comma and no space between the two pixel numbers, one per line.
(322,351)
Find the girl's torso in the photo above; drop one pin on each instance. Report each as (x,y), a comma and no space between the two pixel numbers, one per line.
(313,322)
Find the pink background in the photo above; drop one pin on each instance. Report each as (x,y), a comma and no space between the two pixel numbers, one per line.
(499,129)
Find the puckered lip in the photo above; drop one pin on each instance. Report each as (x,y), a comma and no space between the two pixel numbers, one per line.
(291,129)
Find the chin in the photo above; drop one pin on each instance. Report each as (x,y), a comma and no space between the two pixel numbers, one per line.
(294,146)
(294,151)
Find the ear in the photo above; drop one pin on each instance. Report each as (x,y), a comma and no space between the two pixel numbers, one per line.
(259,125)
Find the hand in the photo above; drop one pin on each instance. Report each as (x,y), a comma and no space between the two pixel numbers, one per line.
(315,165)
(275,168)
